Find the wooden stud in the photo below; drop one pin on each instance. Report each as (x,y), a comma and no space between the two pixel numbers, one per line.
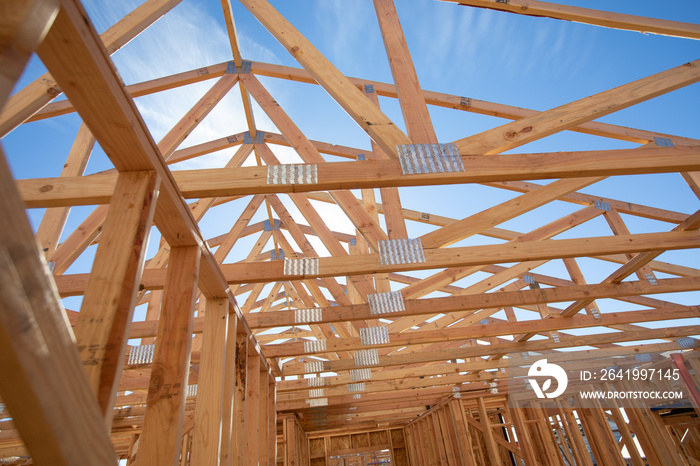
(239,433)
(263,419)
(252,408)
(229,369)
(491,445)
(163,421)
(103,323)
(209,409)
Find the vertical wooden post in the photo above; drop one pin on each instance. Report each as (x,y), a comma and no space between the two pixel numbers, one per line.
(461,429)
(105,315)
(263,418)
(229,376)
(581,452)
(252,406)
(491,445)
(239,435)
(162,426)
(627,437)
(208,410)
(448,435)
(524,439)
(438,436)
(291,443)
(272,415)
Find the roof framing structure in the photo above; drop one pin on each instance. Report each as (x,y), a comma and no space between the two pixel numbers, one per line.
(310,269)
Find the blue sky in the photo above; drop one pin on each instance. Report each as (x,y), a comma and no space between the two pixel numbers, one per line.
(511,59)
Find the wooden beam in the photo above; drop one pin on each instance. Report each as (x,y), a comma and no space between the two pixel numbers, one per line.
(53,221)
(252,409)
(259,272)
(589,16)
(42,381)
(23,26)
(107,308)
(237,181)
(72,43)
(476,255)
(413,107)
(567,116)
(503,348)
(383,89)
(210,385)
(378,126)
(43,90)
(238,424)
(162,426)
(483,331)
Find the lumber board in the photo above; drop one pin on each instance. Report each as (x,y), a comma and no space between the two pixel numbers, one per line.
(234,181)
(43,90)
(590,16)
(503,348)
(482,331)
(253,422)
(383,89)
(367,116)
(260,272)
(566,116)
(42,381)
(102,328)
(206,439)
(413,107)
(165,409)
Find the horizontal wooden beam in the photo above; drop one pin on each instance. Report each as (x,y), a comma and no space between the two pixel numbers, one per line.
(483,331)
(502,348)
(219,182)
(384,89)
(466,256)
(474,302)
(272,271)
(589,16)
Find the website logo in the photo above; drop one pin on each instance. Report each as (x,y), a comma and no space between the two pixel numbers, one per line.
(541,369)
